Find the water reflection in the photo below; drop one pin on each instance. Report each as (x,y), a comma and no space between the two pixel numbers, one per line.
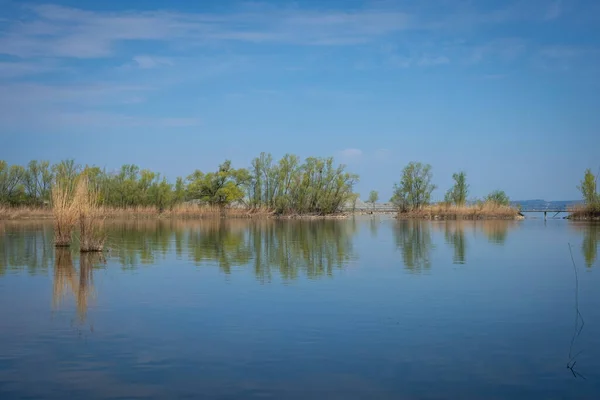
(454,233)
(314,248)
(25,244)
(290,248)
(374,226)
(80,284)
(413,238)
(591,238)
(497,231)
(219,241)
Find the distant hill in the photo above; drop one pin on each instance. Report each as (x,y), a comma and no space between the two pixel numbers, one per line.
(538,204)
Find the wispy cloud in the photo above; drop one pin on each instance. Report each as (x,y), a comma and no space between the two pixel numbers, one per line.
(101,48)
(17,69)
(350,153)
(147,62)
(553,11)
(58,31)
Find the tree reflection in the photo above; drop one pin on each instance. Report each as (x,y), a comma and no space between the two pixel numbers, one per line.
(26,245)
(589,247)
(221,241)
(413,238)
(291,248)
(374,226)
(454,234)
(314,248)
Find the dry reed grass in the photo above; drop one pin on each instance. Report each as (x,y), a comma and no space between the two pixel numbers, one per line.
(584,212)
(92,234)
(65,215)
(65,276)
(10,213)
(487,210)
(182,211)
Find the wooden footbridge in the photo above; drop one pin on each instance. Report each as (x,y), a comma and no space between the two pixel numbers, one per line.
(553,210)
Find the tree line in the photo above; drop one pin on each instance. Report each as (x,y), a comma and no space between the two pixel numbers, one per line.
(416,187)
(316,185)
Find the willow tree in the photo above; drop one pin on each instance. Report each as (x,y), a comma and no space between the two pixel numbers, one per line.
(415,187)
(498,197)
(459,191)
(11,189)
(316,186)
(588,189)
(220,188)
(37,181)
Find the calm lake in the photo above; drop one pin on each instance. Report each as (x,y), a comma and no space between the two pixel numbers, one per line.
(365,308)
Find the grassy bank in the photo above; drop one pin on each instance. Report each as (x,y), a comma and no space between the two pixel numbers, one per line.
(487,210)
(583,212)
(184,211)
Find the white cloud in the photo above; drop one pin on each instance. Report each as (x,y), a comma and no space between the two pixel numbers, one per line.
(351,153)
(147,62)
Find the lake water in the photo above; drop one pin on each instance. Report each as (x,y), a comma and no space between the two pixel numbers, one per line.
(362,308)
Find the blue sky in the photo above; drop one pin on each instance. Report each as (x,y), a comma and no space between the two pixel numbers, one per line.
(504,90)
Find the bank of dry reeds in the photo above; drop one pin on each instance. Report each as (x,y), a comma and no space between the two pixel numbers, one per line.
(65,214)
(585,212)
(182,211)
(485,210)
(19,213)
(91,218)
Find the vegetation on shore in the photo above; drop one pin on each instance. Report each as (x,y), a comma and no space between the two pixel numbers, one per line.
(317,186)
(412,197)
(288,187)
(590,209)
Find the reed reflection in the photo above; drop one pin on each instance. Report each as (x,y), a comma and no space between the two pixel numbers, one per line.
(77,283)
(497,231)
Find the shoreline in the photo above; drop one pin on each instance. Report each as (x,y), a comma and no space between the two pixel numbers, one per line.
(436,213)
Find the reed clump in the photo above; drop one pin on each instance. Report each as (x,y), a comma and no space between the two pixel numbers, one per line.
(65,214)
(585,211)
(92,234)
(481,210)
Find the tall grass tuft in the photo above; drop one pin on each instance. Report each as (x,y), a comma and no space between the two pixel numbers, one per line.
(481,210)
(92,234)
(65,214)
(585,211)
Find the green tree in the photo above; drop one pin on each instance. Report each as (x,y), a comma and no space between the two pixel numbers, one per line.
(588,188)
(373,197)
(219,188)
(37,181)
(179,194)
(11,188)
(415,187)
(498,197)
(459,191)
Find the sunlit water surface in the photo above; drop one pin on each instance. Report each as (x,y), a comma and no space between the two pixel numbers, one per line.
(359,308)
